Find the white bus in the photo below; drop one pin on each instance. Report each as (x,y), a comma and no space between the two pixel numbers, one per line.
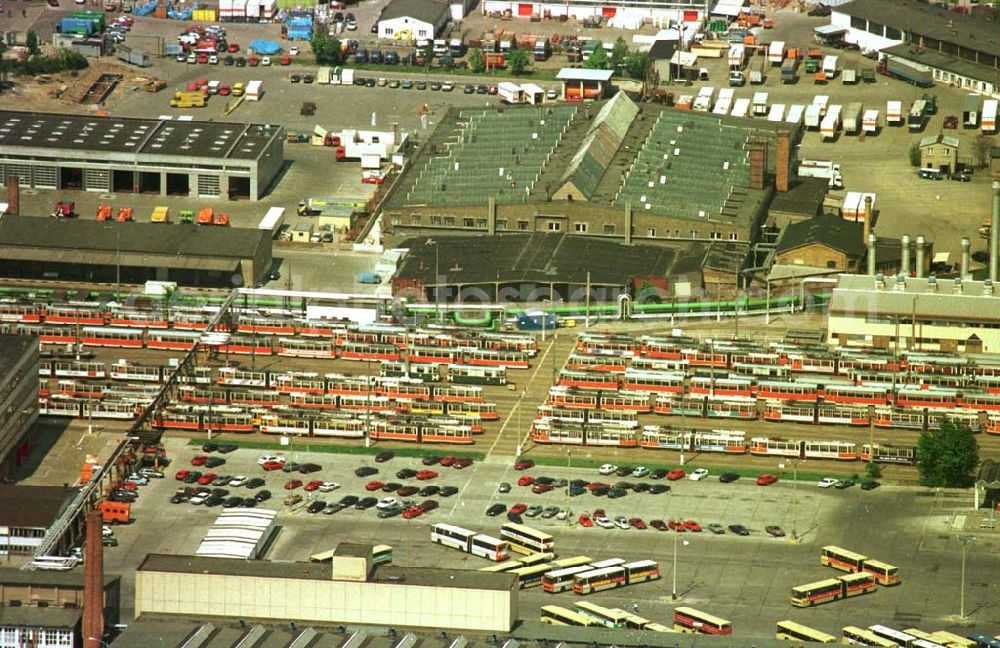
(561,580)
(526,540)
(477,544)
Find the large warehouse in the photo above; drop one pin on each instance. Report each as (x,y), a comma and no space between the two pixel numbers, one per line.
(959,50)
(345,591)
(133,253)
(685,176)
(149,156)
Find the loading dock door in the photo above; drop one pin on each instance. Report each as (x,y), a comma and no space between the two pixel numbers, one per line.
(609,12)
(525,9)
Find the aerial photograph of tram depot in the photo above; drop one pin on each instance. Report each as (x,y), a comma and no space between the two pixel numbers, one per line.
(499,323)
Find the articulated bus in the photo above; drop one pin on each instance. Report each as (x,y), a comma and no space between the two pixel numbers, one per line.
(884,573)
(951,640)
(817,593)
(560,616)
(842,559)
(694,621)
(530,576)
(470,542)
(792,631)
(561,580)
(526,540)
(607,617)
(862,637)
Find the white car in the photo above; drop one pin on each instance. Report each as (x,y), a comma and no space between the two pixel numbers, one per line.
(263,459)
(199,498)
(106,530)
(328,486)
(266,60)
(447,86)
(621,522)
(698,474)
(607,469)
(827,482)
(238,480)
(386,502)
(552,95)
(213,59)
(640,471)
(604,522)
(562,515)
(294,51)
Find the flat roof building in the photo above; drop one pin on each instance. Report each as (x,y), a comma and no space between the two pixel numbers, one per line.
(206,159)
(23,527)
(18,399)
(116,253)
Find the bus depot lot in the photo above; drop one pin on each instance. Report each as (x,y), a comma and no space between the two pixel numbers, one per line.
(744,579)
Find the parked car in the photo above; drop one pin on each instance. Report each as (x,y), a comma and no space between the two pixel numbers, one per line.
(406,473)
(496,509)
(728,477)
(550,512)
(637,523)
(659,525)
(621,522)
(424,475)
(525,480)
(716,528)
(585,521)
(366,503)
(430,460)
(869,484)
(504,487)
(524,464)
(827,482)
(374,485)
(533,511)
(698,474)
(739,529)
(775,531)
(657,489)
(428,505)
(640,471)
(845,484)
(607,469)
(366,471)
(292,484)
(316,507)
(407,491)
(604,522)
(519,508)
(382,457)
(428,491)
(675,474)
(448,491)
(766,479)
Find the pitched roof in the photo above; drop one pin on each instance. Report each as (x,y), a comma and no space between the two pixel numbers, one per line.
(583,74)
(947,140)
(428,11)
(831,231)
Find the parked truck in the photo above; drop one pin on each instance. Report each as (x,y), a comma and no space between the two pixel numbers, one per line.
(813,116)
(970,112)
(829,171)
(183,99)
(160,215)
(918,116)
(789,70)
(830,125)
(510,92)
(852,117)
(988,123)
(830,66)
(869,123)
(909,72)
(135,57)
(776,52)
(757,71)
(849,75)
(542,50)
(759,104)
(894,113)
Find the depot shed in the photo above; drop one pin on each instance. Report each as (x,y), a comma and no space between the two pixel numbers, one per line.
(579,84)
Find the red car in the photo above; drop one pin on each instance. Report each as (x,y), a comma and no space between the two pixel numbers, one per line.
(599,513)
(412,512)
(426,474)
(428,505)
(525,480)
(202,58)
(374,485)
(585,521)
(199,460)
(292,484)
(524,464)
(595,485)
(636,523)
(764,479)
(691,525)
(677,525)
(207,478)
(181,474)
(253,61)
(518,508)
(314,485)
(447,461)
(461,462)
(675,474)
(272,465)
(285,60)
(538,489)
(233,47)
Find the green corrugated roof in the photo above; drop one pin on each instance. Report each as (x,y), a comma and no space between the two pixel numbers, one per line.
(600,144)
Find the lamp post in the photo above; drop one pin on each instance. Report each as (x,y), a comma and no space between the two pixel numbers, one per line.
(961,595)
(795,480)
(544,301)
(437,274)
(673,590)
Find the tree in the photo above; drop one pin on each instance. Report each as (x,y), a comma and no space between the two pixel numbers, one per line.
(915,154)
(947,456)
(873,470)
(598,58)
(618,54)
(326,48)
(476,61)
(982,148)
(518,61)
(636,64)
(3,64)
(32,43)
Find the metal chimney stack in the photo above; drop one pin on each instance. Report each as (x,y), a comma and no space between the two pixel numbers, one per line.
(904,249)
(994,234)
(966,244)
(871,254)
(921,243)
(93,582)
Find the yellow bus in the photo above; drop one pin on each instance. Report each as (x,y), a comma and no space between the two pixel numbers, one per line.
(572,561)
(607,617)
(884,573)
(951,640)
(560,616)
(531,576)
(897,637)
(824,591)
(505,566)
(793,631)
(861,637)
(842,559)
(857,583)
(526,540)
(695,621)
(656,627)
(381,554)
(920,634)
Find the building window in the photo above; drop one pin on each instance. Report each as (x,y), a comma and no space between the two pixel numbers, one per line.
(422,33)
(716,236)
(481,223)
(522,225)
(468,222)
(501,223)
(609,229)
(388,31)
(732,236)
(651,232)
(893,33)
(554,226)
(449,221)
(396,220)
(414,219)
(436,220)
(858,23)
(831,264)
(694,233)
(580,228)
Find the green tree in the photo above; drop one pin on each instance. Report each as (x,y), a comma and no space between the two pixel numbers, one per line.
(618,54)
(518,61)
(873,470)
(636,64)
(915,154)
(325,48)
(477,63)
(4,64)
(947,456)
(598,59)
(32,43)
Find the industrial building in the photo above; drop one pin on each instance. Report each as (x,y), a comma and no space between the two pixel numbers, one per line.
(410,20)
(627,14)
(23,527)
(347,590)
(18,398)
(959,50)
(610,169)
(207,159)
(133,253)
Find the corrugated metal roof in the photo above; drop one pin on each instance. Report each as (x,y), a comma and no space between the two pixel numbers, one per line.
(581,74)
(944,299)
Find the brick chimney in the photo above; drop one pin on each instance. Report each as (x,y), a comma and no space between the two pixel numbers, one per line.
(14,196)
(758,164)
(783,161)
(93,582)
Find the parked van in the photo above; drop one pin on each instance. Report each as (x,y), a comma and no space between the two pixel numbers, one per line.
(931,174)
(238,89)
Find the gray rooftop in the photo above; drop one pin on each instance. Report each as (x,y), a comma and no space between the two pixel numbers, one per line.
(935,298)
(947,140)
(583,74)
(924,19)
(47,502)
(941,61)
(429,11)
(124,135)
(419,576)
(12,347)
(67,580)
(40,617)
